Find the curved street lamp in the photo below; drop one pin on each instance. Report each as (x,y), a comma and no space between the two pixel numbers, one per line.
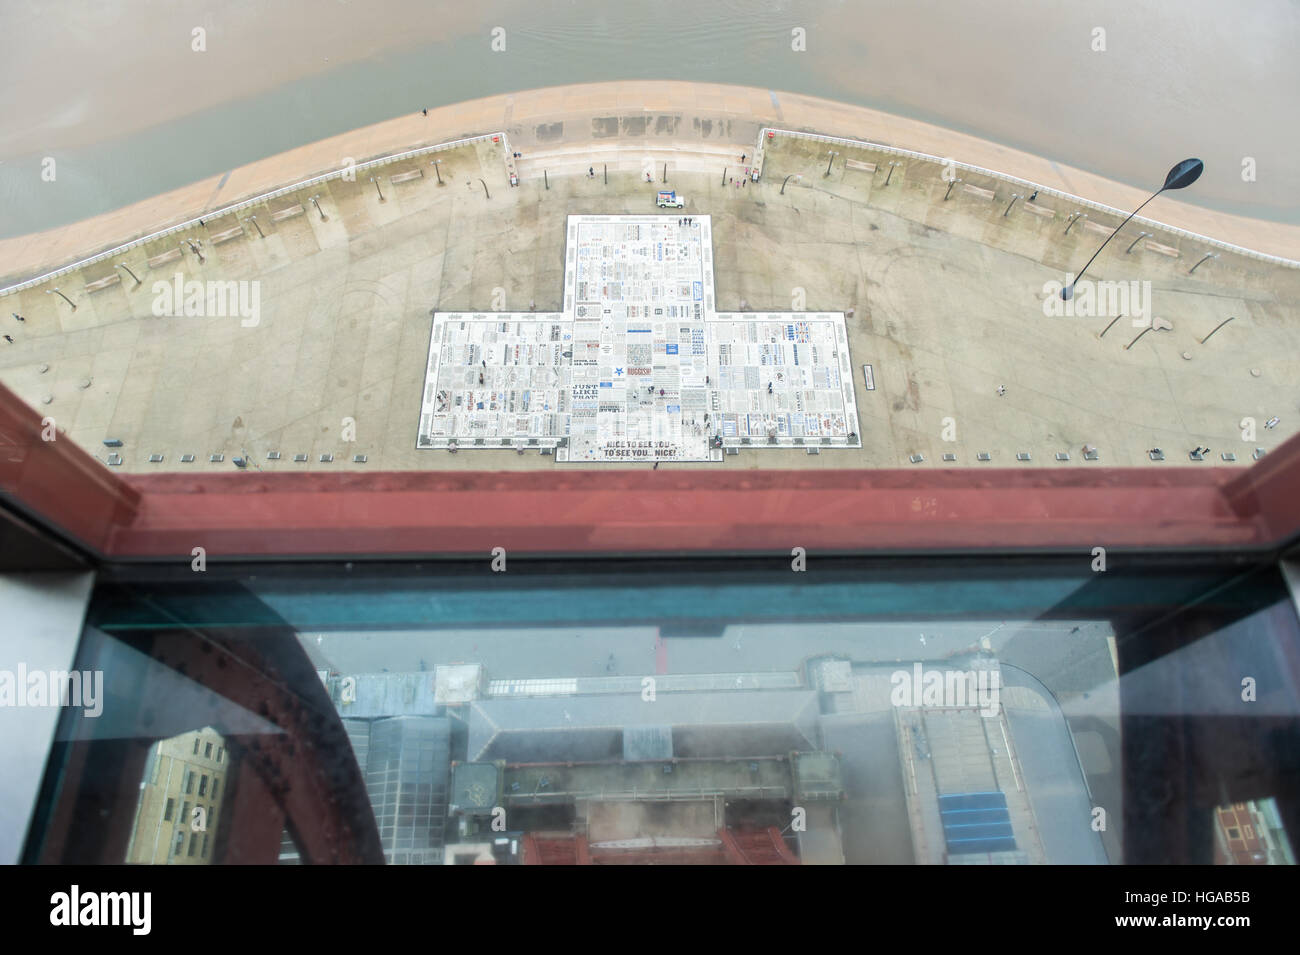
(1180,177)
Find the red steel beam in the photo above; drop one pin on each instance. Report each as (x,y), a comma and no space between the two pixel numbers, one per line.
(613,511)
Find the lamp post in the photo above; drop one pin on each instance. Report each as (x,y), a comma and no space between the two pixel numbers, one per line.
(829,159)
(486,194)
(1216,328)
(1141,236)
(323,217)
(435,164)
(787,179)
(130,273)
(377,189)
(1180,177)
(62,296)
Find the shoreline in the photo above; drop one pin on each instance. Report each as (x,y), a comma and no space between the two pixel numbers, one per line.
(583,113)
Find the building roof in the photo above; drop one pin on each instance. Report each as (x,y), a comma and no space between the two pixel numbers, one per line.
(723,723)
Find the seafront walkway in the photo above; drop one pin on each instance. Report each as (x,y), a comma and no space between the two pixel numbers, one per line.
(624,122)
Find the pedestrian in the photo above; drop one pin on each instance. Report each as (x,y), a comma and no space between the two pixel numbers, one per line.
(9,340)
(1034,196)
(1002,389)
(661,392)
(19,317)
(742,157)
(743,181)
(769,388)
(591,172)
(656,467)
(425,111)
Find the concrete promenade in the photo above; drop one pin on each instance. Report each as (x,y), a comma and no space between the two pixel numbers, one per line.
(706,114)
(944,296)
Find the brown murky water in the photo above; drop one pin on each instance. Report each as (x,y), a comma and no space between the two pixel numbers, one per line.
(119,97)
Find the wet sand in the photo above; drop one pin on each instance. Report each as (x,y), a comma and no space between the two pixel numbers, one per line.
(532,116)
(116,94)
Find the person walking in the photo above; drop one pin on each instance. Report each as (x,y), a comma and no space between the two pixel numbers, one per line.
(9,340)
(425,111)
(591,172)
(19,317)
(1002,390)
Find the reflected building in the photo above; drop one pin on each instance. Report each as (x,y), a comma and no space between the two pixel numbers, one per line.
(177,816)
(405,762)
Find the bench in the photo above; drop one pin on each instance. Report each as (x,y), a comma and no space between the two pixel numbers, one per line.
(163,259)
(101,284)
(228,234)
(1099,227)
(859,164)
(977,191)
(1039,210)
(288,213)
(407,176)
(1168,250)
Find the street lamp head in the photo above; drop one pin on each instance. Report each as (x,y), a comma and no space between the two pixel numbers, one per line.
(1184,174)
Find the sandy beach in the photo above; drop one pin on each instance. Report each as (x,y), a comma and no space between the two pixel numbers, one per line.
(133,110)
